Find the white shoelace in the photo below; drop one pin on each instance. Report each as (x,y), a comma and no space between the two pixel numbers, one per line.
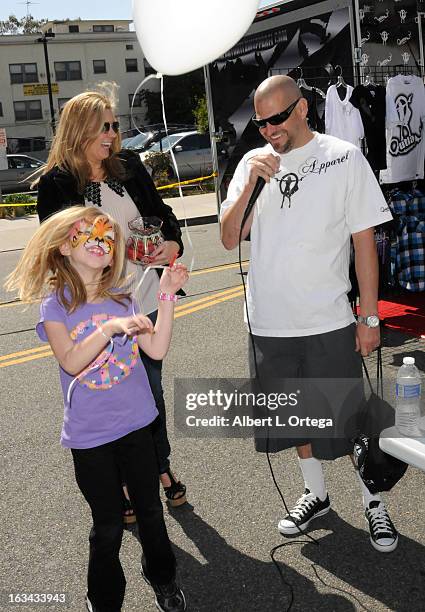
(303,505)
(380,520)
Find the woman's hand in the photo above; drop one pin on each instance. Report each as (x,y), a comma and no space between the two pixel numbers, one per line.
(165,252)
(135,324)
(174,278)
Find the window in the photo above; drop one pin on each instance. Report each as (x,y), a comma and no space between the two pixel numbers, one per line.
(148,68)
(99,66)
(26,145)
(23,162)
(137,100)
(68,71)
(73,28)
(204,141)
(131,65)
(61,103)
(103,28)
(1,109)
(129,47)
(23,73)
(30,109)
(189,143)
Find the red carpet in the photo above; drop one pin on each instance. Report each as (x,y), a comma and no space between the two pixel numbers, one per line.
(405,313)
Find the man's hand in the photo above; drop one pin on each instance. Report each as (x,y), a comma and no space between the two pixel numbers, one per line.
(164,253)
(265,166)
(367,339)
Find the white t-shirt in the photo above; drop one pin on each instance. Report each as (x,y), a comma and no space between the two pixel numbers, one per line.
(123,209)
(405,133)
(342,119)
(300,236)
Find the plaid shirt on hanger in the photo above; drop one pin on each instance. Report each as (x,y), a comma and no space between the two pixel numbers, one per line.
(408,252)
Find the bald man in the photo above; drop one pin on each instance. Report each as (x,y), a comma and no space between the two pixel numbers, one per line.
(319,192)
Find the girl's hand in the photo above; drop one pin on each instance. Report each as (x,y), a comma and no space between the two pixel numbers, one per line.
(135,324)
(174,278)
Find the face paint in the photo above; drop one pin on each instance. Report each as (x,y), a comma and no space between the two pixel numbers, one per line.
(100,235)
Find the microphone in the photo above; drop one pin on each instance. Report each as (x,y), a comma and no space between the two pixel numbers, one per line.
(259,185)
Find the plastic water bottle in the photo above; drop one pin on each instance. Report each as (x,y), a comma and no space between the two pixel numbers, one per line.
(408,398)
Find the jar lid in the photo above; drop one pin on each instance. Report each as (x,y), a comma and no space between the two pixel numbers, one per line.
(409,360)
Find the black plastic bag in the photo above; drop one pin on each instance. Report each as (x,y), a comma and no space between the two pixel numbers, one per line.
(378,470)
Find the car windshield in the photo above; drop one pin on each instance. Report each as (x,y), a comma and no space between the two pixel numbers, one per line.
(165,143)
(139,140)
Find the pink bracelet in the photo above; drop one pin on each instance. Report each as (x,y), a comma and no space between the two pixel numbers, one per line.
(167,297)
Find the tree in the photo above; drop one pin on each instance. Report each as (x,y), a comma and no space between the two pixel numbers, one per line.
(181,94)
(26,25)
(200,114)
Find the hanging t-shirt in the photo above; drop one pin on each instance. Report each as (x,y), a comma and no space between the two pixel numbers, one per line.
(341,118)
(113,199)
(298,276)
(370,101)
(105,403)
(315,120)
(405,129)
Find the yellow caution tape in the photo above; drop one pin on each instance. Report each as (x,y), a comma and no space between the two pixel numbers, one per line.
(198,180)
(189,182)
(12,205)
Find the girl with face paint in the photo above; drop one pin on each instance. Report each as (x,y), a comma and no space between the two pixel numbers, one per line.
(74,263)
(87,166)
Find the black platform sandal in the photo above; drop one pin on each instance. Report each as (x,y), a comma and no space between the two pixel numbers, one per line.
(176,492)
(129,516)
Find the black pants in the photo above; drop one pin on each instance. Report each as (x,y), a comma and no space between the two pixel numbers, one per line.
(159,427)
(98,475)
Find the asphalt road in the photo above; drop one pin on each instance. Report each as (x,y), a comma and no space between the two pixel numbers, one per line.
(223,538)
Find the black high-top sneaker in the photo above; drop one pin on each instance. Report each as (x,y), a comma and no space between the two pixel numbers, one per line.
(168,597)
(307,508)
(383,534)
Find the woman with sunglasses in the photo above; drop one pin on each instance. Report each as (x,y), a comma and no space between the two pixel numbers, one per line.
(87,166)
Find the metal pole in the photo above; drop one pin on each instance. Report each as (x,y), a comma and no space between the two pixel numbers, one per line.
(49,83)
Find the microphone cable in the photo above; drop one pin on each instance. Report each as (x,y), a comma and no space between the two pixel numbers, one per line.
(257,189)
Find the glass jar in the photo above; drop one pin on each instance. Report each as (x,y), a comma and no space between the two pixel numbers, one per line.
(144,238)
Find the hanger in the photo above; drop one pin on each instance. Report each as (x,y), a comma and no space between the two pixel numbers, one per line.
(340,82)
(303,85)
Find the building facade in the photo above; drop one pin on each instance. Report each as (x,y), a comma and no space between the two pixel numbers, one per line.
(81,55)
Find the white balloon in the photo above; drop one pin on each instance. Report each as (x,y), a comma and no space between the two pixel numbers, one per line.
(178,36)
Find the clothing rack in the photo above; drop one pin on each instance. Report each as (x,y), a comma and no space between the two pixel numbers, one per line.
(324,76)
(381,74)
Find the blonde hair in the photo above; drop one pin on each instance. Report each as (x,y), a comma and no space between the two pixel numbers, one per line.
(42,267)
(80,123)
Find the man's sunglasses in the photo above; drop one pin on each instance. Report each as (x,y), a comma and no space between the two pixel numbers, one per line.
(107,126)
(275,119)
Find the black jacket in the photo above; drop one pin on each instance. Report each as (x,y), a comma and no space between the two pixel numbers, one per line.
(57,189)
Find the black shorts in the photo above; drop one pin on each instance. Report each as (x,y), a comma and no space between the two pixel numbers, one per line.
(322,356)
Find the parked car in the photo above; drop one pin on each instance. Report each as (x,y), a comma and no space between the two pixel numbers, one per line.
(136,142)
(20,167)
(192,151)
(154,133)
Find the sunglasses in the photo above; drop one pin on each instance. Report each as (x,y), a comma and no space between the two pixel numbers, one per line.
(107,126)
(275,119)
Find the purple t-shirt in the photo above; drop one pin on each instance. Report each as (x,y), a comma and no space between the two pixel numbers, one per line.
(112,400)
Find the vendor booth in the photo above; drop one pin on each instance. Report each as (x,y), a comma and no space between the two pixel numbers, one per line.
(369,58)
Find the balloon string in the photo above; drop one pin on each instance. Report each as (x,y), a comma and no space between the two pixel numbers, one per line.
(145,80)
(158,75)
(96,366)
(186,228)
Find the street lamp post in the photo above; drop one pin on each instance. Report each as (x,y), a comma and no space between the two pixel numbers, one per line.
(44,40)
